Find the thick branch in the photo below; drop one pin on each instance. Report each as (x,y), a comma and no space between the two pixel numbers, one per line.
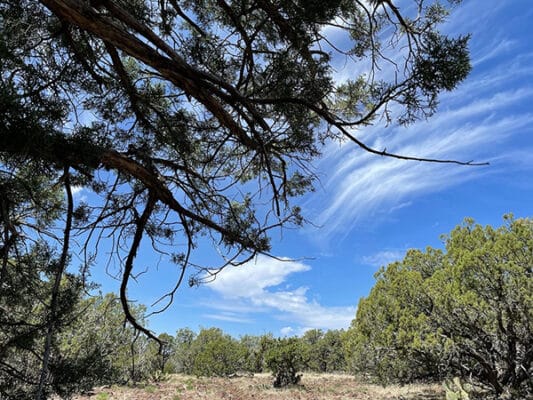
(174,69)
(58,149)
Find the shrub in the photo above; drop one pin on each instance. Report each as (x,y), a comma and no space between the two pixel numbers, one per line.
(216,354)
(465,312)
(285,358)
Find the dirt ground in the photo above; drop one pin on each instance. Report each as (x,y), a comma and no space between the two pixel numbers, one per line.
(259,387)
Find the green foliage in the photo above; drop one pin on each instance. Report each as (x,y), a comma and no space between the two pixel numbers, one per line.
(325,350)
(182,360)
(160,356)
(390,334)
(331,352)
(102,396)
(150,389)
(434,66)
(285,358)
(91,346)
(455,390)
(216,354)
(23,326)
(253,347)
(465,312)
(112,351)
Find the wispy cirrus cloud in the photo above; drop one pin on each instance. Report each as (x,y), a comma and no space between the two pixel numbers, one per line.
(229,317)
(479,121)
(258,287)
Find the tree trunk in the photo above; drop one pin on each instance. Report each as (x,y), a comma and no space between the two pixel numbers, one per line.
(55,292)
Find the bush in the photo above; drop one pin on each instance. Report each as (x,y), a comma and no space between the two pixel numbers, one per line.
(465,312)
(285,358)
(216,354)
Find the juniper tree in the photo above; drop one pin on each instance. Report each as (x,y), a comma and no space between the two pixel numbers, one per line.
(464,312)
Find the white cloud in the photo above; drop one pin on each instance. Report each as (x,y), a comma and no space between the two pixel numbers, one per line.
(496,48)
(287,331)
(480,121)
(294,331)
(76,190)
(228,317)
(79,193)
(232,306)
(257,285)
(251,279)
(383,258)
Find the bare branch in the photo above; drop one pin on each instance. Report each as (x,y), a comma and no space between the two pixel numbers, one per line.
(128,266)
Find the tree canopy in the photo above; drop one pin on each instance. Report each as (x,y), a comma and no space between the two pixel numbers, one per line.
(190,119)
(464,312)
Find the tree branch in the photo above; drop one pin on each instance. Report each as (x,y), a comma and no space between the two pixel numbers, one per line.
(140,225)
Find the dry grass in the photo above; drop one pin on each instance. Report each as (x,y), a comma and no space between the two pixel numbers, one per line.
(259,387)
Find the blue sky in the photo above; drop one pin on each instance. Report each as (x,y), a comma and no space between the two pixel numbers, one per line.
(372,209)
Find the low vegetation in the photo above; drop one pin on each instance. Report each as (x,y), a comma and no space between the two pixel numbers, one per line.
(313,386)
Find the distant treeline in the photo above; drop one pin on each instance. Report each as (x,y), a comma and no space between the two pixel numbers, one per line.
(94,347)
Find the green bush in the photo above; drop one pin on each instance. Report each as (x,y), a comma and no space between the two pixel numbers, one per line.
(216,354)
(285,358)
(466,312)
(325,349)
(181,359)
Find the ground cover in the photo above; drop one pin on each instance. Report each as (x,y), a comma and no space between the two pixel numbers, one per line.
(259,387)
